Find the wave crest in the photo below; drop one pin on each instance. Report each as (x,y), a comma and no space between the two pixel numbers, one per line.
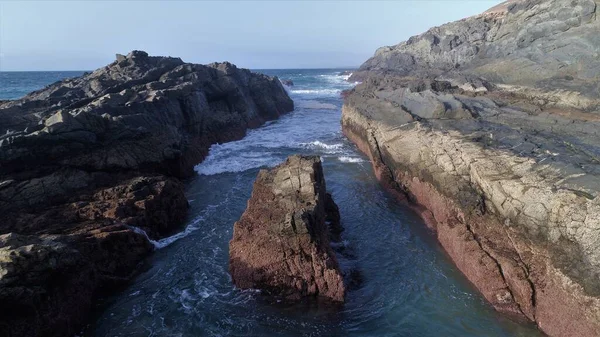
(347,159)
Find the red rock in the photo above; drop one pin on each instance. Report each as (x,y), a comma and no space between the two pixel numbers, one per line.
(281,242)
(516,274)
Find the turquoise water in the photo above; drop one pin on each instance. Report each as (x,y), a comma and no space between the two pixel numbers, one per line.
(409,286)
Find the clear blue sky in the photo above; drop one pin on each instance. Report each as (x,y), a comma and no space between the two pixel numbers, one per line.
(81,35)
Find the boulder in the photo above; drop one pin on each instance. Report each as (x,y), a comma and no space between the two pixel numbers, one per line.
(287,83)
(281,244)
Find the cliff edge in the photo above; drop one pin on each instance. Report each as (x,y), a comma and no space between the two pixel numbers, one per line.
(488,126)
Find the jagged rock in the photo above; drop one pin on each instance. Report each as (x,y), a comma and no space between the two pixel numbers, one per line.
(48,282)
(281,242)
(525,42)
(489,127)
(89,161)
(288,83)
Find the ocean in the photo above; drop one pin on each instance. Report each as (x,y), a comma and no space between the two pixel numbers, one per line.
(409,286)
(16,84)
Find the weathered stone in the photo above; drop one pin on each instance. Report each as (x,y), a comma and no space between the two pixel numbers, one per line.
(489,127)
(281,242)
(89,161)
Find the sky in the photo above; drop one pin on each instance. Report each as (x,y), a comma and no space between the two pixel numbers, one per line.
(85,35)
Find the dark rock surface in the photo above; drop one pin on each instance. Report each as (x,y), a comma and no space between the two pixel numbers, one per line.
(288,83)
(281,244)
(87,162)
(489,127)
(547,44)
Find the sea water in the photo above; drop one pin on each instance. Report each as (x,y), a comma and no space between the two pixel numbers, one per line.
(409,287)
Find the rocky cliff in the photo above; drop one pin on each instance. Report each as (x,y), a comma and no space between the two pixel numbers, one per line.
(87,162)
(281,242)
(489,127)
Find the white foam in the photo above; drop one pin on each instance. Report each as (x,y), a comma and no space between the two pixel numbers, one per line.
(326,146)
(317,92)
(143,232)
(338,79)
(242,163)
(270,144)
(346,159)
(329,148)
(162,243)
(193,226)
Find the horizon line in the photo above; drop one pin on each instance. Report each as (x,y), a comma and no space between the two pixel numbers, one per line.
(90,70)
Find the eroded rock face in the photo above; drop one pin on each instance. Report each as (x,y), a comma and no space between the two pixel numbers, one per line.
(493,138)
(281,242)
(549,44)
(87,162)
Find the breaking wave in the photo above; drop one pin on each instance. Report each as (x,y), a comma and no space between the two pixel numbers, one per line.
(346,159)
(317,92)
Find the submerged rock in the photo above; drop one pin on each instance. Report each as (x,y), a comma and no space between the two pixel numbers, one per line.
(89,161)
(489,127)
(281,242)
(287,83)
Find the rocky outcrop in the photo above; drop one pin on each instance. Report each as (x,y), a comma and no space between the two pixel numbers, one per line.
(547,44)
(488,126)
(87,162)
(287,83)
(281,242)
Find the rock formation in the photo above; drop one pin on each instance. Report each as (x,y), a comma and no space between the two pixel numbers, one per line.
(87,162)
(281,242)
(287,83)
(489,127)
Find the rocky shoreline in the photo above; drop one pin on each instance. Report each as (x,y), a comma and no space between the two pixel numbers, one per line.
(87,162)
(489,130)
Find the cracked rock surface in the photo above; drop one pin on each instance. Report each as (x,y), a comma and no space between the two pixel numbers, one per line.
(281,244)
(489,127)
(86,162)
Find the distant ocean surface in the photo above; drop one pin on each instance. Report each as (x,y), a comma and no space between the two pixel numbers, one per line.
(16,84)
(409,285)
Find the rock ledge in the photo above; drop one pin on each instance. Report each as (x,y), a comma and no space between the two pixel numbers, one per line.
(488,126)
